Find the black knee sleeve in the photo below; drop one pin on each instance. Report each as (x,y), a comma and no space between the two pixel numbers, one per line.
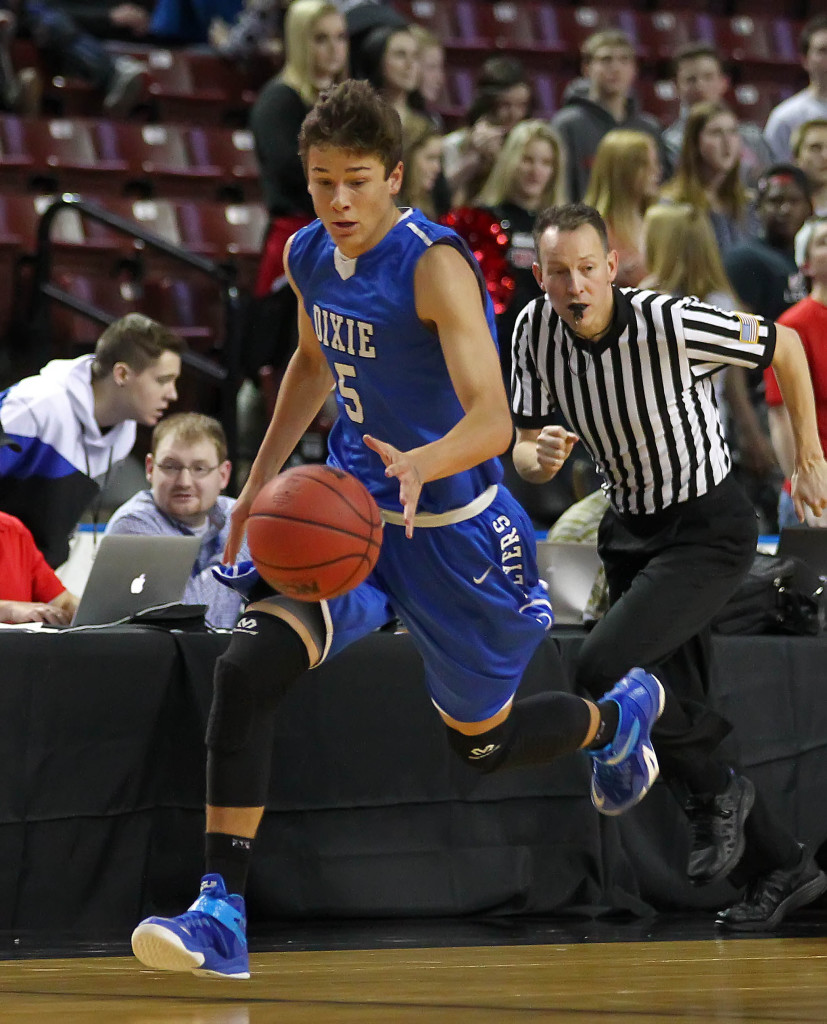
(485,751)
(264,658)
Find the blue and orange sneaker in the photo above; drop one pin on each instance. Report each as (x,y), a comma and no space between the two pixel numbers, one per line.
(624,770)
(210,938)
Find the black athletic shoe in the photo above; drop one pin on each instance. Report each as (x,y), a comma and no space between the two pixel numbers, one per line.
(768,901)
(717,827)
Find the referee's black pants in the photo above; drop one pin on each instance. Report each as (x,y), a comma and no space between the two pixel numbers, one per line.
(668,575)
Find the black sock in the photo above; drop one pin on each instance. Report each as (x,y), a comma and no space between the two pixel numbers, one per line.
(228,856)
(609,720)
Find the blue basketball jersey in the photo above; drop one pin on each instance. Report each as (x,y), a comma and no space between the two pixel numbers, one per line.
(390,372)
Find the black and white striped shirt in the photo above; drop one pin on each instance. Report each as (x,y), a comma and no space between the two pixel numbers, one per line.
(640,398)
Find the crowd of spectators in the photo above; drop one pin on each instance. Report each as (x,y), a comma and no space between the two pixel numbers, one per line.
(710,204)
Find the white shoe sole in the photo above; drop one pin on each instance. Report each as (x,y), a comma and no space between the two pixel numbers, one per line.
(161,950)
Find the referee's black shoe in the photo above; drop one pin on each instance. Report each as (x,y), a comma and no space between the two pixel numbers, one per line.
(768,900)
(716,824)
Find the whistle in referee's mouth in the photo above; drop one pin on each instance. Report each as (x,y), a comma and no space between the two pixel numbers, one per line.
(578,310)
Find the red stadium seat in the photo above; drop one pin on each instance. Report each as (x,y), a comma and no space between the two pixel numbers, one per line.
(179,94)
(658,97)
(754,101)
(232,233)
(16,162)
(564,29)
(755,41)
(161,159)
(662,32)
(65,149)
(233,151)
(453,22)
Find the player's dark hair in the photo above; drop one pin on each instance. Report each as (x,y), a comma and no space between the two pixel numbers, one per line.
(355,118)
(816,24)
(136,340)
(692,51)
(570,217)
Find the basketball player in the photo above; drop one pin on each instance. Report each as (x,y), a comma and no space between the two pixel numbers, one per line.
(631,371)
(393,313)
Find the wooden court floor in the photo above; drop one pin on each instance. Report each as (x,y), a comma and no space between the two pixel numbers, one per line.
(758,980)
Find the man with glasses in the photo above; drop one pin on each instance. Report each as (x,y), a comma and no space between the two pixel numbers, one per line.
(187,469)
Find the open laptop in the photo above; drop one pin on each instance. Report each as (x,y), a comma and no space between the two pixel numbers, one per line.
(809,543)
(131,573)
(570,570)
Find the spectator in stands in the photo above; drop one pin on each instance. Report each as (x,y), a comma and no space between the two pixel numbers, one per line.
(528,175)
(810,103)
(20,93)
(122,79)
(187,469)
(503,98)
(610,70)
(699,78)
(174,21)
(708,174)
(809,318)
(682,258)
(76,419)
(257,29)
(422,160)
(389,60)
(682,255)
(624,182)
(31,592)
(809,142)
(767,281)
(431,82)
(316,57)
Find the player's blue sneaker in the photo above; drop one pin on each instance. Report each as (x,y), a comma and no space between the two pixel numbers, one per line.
(210,938)
(624,770)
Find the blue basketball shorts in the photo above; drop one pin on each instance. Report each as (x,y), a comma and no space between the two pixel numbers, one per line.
(470,597)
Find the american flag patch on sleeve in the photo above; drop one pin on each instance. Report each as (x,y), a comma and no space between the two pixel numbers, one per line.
(749,328)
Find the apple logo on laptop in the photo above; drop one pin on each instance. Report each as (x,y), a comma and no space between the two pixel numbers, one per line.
(137,585)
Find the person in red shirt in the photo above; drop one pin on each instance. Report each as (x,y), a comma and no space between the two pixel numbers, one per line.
(809,318)
(29,589)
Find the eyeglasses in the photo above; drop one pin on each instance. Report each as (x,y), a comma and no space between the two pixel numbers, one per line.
(197,469)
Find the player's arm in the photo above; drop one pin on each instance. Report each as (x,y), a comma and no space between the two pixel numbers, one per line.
(447,295)
(809,475)
(539,454)
(304,387)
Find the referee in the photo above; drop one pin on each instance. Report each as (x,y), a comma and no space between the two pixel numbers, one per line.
(631,371)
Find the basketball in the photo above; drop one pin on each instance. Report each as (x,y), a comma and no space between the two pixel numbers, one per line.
(314,532)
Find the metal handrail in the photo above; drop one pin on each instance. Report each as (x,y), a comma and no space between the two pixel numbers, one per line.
(226,375)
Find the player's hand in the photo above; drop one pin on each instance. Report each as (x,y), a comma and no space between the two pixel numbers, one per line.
(238,524)
(554,446)
(401,465)
(809,490)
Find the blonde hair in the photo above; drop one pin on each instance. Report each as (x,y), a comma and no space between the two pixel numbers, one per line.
(412,193)
(300,20)
(613,183)
(682,255)
(605,37)
(687,185)
(800,132)
(190,428)
(502,177)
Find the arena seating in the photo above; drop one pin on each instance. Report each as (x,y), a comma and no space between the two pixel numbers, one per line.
(183,165)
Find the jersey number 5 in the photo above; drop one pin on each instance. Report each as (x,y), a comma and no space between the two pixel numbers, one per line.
(350,396)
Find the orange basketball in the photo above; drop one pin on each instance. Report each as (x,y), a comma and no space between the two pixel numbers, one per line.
(314,532)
